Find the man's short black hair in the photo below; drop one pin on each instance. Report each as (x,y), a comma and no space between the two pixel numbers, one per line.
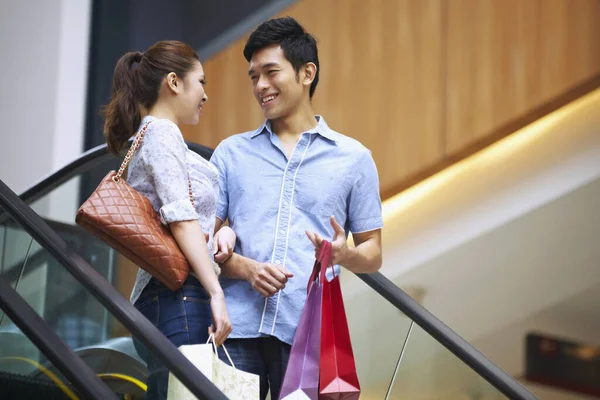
(299,47)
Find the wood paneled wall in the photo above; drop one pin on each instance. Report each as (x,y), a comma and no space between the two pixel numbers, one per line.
(420,81)
(506,57)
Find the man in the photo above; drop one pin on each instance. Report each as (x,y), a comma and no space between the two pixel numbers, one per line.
(291,178)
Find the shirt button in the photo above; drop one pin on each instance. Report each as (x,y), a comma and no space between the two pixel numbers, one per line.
(285,203)
(282,232)
(277,262)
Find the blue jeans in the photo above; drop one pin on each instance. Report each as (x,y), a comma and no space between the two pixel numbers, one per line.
(182,316)
(266,357)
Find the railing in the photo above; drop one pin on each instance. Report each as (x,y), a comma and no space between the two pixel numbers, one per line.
(383,286)
(447,337)
(85,162)
(123,310)
(45,339)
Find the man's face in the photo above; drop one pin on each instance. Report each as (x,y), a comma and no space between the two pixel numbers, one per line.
(275,84)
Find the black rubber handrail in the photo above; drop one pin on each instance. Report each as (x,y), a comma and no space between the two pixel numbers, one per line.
(108,296)
(38,258)
(84,163)
(47,341)
(447,337)
(243,27)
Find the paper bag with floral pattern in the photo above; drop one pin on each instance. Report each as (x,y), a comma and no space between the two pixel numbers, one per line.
(235,384)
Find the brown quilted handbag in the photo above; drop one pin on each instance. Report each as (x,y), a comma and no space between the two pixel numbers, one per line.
(125,220)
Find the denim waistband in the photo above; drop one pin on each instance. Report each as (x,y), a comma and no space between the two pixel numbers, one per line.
(155,286)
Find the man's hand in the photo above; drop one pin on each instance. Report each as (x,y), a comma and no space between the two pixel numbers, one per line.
(267,279)
(339,244)
(223,244)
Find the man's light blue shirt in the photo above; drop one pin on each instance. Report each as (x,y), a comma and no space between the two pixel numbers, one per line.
(271,201)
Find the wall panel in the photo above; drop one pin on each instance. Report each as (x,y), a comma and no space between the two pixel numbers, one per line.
(421,82)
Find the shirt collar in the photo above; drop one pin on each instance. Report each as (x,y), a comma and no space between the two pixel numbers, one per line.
(322,129)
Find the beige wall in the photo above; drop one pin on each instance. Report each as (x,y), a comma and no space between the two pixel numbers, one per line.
(420,82)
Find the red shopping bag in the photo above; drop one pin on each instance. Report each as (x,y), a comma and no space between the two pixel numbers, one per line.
(338,378)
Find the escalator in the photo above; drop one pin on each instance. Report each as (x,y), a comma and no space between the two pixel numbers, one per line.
(78,288)
(62,274)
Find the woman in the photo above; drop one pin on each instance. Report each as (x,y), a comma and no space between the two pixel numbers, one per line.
(167,83)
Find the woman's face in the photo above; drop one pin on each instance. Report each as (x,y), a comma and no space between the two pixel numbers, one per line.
(192,98)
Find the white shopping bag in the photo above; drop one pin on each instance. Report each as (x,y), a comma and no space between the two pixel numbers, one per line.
(235,384)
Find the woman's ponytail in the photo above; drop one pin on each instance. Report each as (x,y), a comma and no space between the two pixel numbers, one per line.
(122,113)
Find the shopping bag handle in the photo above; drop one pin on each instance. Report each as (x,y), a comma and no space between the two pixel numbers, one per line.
(211,339)
(324,258)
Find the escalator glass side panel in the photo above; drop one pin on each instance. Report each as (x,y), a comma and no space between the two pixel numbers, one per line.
(25,373)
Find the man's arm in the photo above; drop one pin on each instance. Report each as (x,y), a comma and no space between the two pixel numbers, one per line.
(364,216)
(364,257)
(267,279)
(237,267)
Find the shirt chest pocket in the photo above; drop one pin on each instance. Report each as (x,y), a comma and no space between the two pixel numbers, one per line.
(322,195)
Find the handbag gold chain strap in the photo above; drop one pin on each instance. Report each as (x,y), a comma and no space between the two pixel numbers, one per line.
(134,146)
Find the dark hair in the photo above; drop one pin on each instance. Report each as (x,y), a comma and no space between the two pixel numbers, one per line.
(138,85)
(299,47)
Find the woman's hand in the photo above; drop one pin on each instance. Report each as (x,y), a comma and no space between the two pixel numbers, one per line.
(221,327)
(223,244)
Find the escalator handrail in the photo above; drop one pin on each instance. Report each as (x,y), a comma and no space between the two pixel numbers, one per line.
(238,30)
(50,344)
(83,163)
(108,296)
(462,349)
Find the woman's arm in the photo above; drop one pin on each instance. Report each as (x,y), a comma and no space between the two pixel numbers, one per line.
(192,242)
(163,159)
